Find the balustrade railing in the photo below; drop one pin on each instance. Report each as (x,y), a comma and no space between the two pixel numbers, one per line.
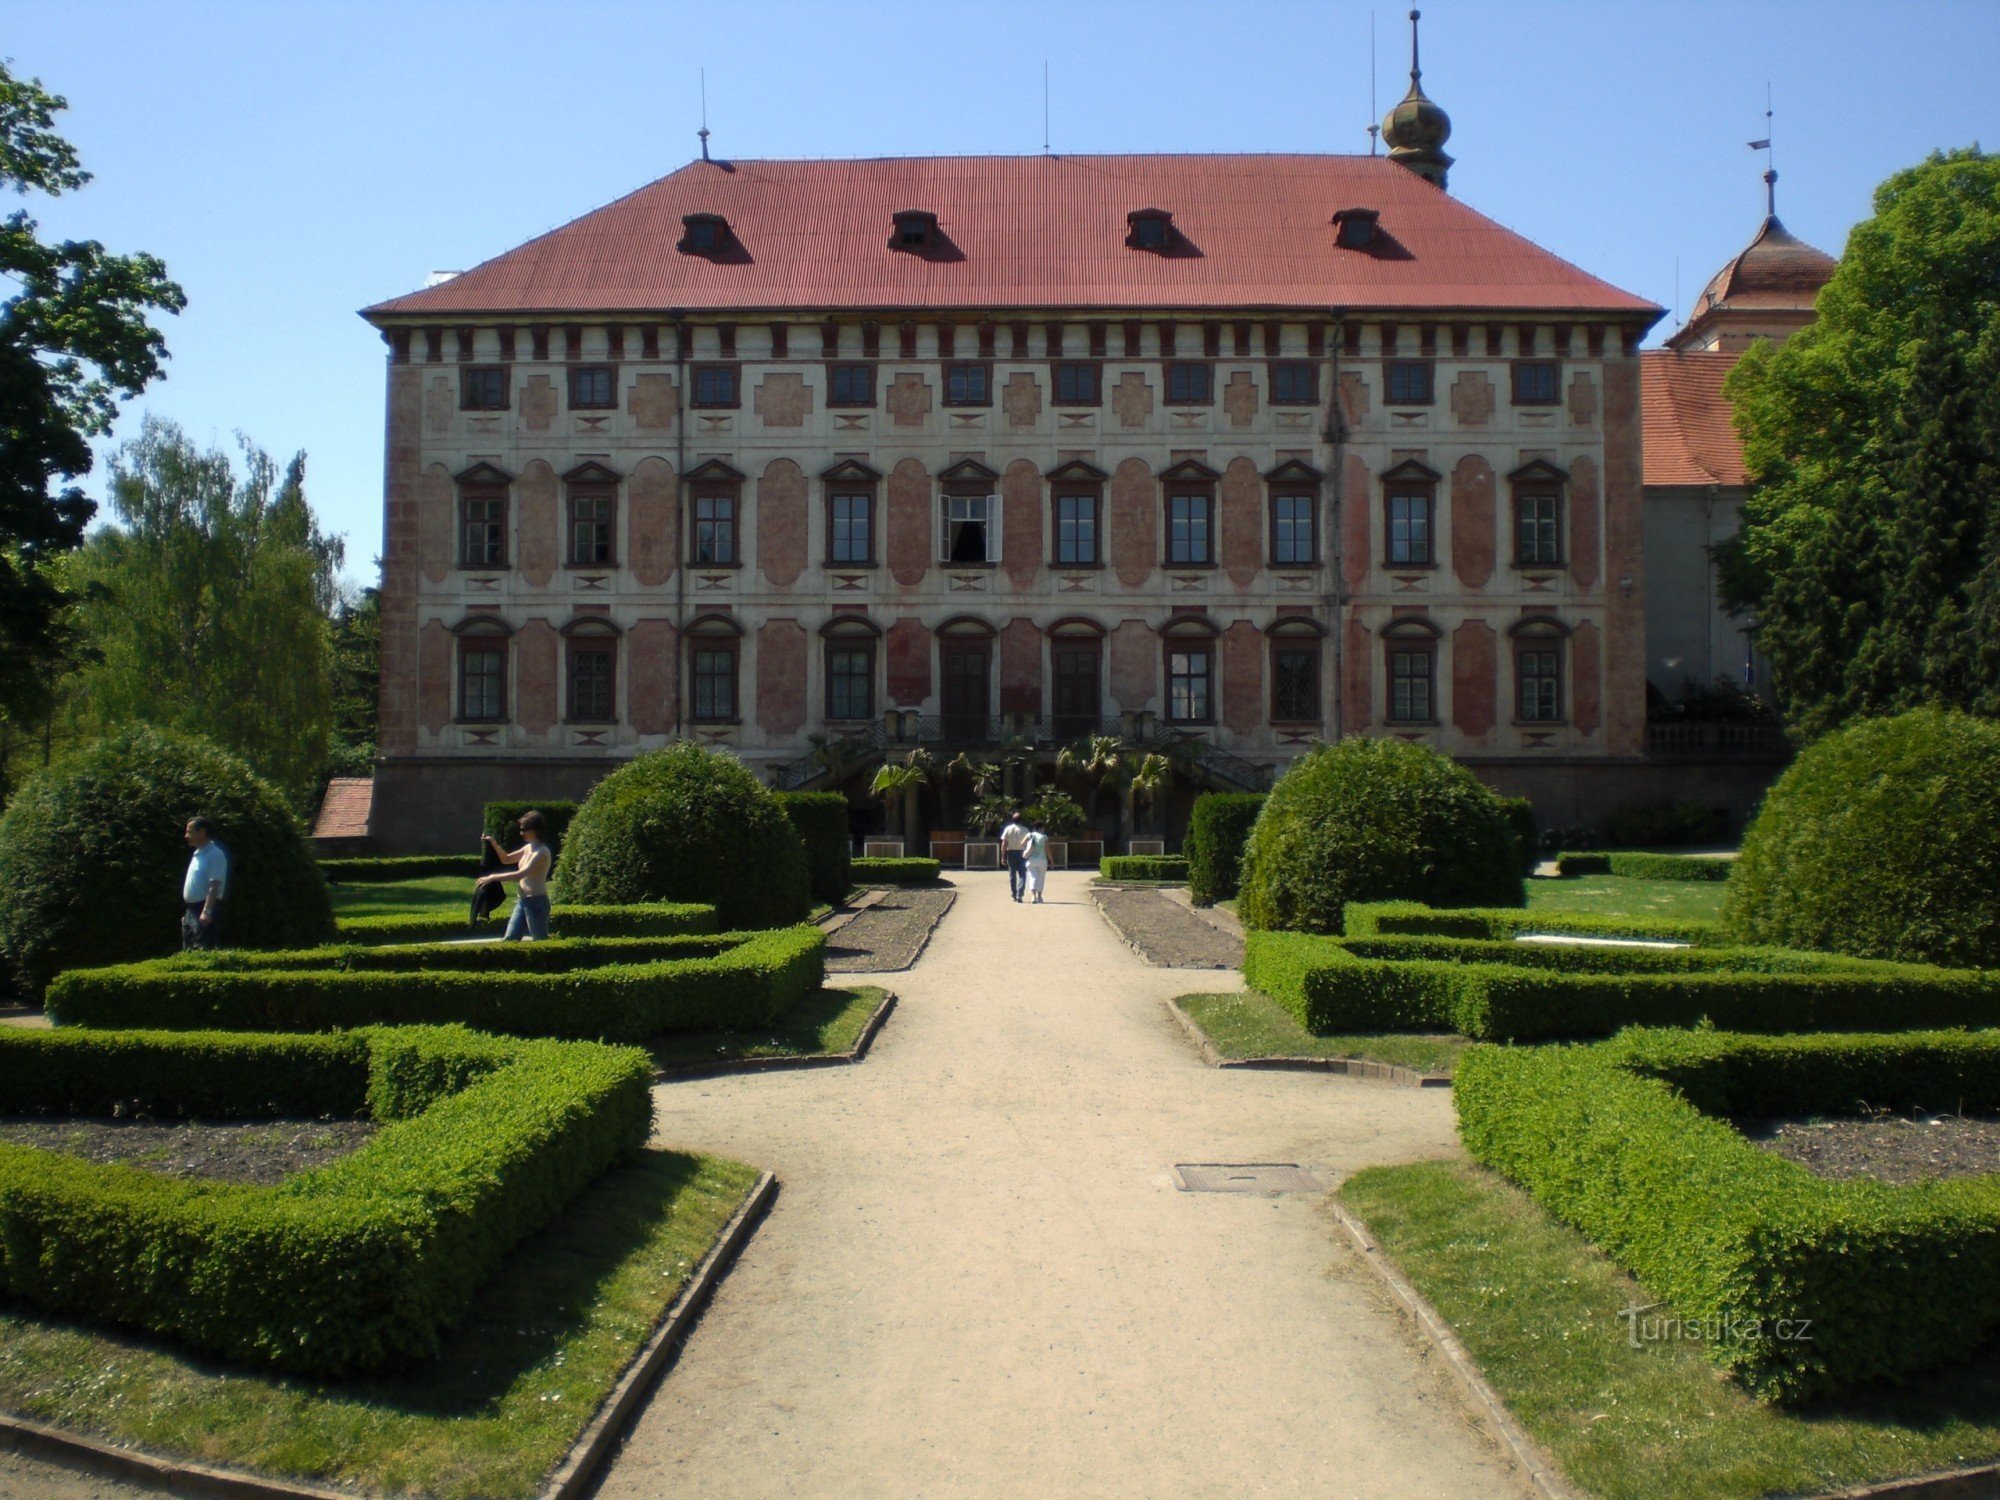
(1718,741)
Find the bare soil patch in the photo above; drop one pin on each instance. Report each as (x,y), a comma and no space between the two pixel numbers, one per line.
(259,1152)
(1887,1148)
(889,935)
(1166,933)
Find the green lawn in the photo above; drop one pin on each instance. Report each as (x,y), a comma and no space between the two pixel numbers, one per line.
(1615,896)
(398,898)
(1248,1023)
(1538,1308)
(499,1406)
(828,1022)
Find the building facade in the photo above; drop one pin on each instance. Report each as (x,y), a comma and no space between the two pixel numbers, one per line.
(1250,451)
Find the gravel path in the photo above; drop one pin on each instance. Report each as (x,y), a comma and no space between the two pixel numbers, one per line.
(889,936)
(1887,1148)
(980,1278)
(1165,932)
(264,1152)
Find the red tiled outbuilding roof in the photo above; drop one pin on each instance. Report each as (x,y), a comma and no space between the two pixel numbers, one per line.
(343,812)
(1028,232)
(1688,434)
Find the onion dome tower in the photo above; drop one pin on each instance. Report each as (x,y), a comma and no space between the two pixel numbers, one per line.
(1416,129)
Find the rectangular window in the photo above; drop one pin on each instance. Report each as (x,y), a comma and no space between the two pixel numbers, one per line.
(1537,382)
(1410,678)
(1409,382)
(1410,529)
(1190,529)
(482,679)
(850,680)
(967,519)
(715,529)
(485,529)
(482,388)
(590,529)
(592,664)
(1294,382)
(1538,531)
(1077,385)
(968,385)
(1538,672)
(1295,685)
(852,519)
(1292,541)
(850,385)
(715,385)
(1190,675)
(1076,531)
(592,388)
(1189,384)
(713,669)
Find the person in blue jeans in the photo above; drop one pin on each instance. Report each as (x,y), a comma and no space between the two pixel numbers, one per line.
(530,917)
(1013,840)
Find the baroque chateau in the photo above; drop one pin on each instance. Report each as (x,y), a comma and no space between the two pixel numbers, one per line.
(1225,455)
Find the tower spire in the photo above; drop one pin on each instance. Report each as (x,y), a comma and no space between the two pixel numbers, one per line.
(1770,168)
(1416,129)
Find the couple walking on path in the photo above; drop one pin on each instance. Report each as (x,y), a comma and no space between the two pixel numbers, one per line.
(1026,848)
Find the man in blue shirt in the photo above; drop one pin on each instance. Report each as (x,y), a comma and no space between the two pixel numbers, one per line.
(203,888)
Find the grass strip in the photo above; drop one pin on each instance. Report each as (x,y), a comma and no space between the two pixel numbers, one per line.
(1540,1311)
(1249,1023)
(502,1403)
(825,1023)
(1619,896)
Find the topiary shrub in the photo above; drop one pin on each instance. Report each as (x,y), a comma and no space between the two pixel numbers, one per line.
(821,821)
(1882,840)
(1218,829)
(92,857)
(1527,832)
(687,824)
(1375,820)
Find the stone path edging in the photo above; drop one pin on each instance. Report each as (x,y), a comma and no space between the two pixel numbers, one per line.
(853,1054)
(833,921)
(1351,1067)
(1955,1484)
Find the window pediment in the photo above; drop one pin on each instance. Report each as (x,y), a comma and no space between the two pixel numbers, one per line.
(859,626)
(483,473)
(1189,471)
(592,472)
(480,625)
(1412,628)
(1538,627)
(968,471)
(851,471)
(713,624)
(966,625)
(1293,471)
(1296,626)
(714,471)
(1190,627)
(1076,627)
(1540,471)
(1411,471)
(1076,471)
(590,625)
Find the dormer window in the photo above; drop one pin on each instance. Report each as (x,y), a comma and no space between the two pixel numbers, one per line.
(703,234)
(915,230)
(1149,229)
(1354,228)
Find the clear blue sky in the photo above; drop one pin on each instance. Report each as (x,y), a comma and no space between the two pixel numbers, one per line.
(294,162)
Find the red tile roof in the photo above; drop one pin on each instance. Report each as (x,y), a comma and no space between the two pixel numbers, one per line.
(343,812)
(1687,431)
(1029,232)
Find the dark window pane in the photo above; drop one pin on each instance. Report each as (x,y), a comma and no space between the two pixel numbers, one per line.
(1188,539)
(715,385)
(483,389)
(1540,542)
(1188,674)
(714,529)
(965,385)
(1076,385)
(485,531)
(1292,529)
(850,677)
(590,529)
(591,386)
(590,683)
(1295,685)
(853,385)
(1537,382)
(1149,232)
(715,684)
(1188,382)
(853,540)
(1409,382)
(481,672)
(1410,677)
(966,519)
(1294,383)
(1410,528)
(1539,675)
(1076,529)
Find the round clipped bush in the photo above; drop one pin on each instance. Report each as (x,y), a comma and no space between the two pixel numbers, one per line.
(686,824)
(1882,840)
(1375,820)
(92,857)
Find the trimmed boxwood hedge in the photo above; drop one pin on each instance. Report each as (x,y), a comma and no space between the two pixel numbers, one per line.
(1624,1142)
(1218,829)
(1527,831)
(350,1268)
(500,818)
(1142,867)
(513,988)
(372,870)
(913,870)
(821,821)
(1636,866)
(1413,918)
(648,919)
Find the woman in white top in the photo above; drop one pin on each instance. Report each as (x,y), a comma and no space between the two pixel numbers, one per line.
(1036,851)
(531,863)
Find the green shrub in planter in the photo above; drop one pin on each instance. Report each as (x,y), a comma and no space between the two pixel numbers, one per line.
(1374,820)
(821,821)
(1142,867)
(1632,865)
(92,857)
(1218,830)
(501,819)
(1882,840)
(909,870)
(687,824)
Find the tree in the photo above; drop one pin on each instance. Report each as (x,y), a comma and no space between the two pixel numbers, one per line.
(74,340)
(212,604)
(1870,547)
(355,649)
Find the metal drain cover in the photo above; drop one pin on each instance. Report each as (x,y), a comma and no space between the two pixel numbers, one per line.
(1245,1177)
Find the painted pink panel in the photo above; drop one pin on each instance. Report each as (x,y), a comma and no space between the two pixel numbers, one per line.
(1473,540)
(434,677)
(1242,677)
(1021,533)
(1135,666)
(1586,694)
(535,645)
(909,541)
(1357,692)
(1242,504)
(781,676)
(1583,523)
(437,522)
(1020,668)
(1357,507)
(1474,687)
(909,662)
(1134,522)
(537,530)
(654,529)
(650,671)
(781,523)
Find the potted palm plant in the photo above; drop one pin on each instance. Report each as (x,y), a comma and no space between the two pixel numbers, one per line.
(1057,814)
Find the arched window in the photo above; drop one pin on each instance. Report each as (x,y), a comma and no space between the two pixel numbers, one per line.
(1539,653)
(1296,696)
(1190,667)
(965,680)
(850,654)
(482,669)
(1409,648)
(590,668)
(714,651)
(1076,677)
